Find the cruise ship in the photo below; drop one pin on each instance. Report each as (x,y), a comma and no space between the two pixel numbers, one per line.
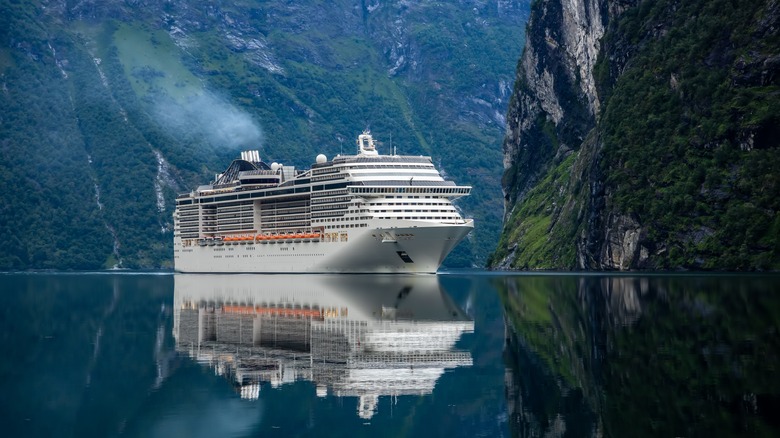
(362,213)
(356,336)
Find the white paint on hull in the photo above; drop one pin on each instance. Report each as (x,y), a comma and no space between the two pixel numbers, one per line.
(367,250)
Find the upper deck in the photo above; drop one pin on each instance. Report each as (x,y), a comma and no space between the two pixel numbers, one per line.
(393,173)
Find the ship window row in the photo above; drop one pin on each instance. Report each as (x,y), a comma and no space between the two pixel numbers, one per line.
(286,224)
(449,210)
(401,174)
(320,169)
(284,211)
(274,218)
(221,216)
(284,204)
(230,231)
(234,204)
(328,227)
(328,214)
(266,208)
(230,224)
(328,207)
(441,203)
(324,193)
(331,199)
(246,222)
(381,159)
(329,177)
(235,208)
(228,220)
(418,217)
(258,194)
(334,213)
(428,190)
(343,219)
(383,204)
(389,166)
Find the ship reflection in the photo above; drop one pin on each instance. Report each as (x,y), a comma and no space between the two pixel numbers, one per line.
(352,336)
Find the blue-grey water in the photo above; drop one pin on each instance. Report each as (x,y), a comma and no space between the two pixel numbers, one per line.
(462,354)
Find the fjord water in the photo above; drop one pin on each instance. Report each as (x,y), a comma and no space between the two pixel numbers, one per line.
(461,354)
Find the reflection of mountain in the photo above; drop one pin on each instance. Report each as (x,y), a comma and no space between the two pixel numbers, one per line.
(657,356)
(363,336)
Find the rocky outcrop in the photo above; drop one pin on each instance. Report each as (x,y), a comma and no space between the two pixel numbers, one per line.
(555,102)
(623,113)
(554,107)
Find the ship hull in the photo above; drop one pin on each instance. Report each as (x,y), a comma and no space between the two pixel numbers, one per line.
(408,248)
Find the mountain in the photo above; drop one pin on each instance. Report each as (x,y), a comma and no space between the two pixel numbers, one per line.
(645,134)
(111,108)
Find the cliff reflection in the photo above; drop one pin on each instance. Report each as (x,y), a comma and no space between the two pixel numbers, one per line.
(353,336)
(652,355)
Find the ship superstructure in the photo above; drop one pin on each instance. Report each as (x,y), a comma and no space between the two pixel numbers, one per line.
(355,213)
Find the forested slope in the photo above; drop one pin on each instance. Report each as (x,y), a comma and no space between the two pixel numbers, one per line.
(110,108)
(645,134)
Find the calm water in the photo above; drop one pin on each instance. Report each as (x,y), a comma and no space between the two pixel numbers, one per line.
(454,355)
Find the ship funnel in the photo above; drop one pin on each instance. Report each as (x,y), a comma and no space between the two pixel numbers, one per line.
(253,156)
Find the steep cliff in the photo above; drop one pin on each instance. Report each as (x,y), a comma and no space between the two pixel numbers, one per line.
(643,134)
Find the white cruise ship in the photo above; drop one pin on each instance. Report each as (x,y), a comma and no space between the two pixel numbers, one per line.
(358,213)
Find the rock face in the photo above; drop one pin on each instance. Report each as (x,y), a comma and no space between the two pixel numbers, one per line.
(555,102)
(620,151)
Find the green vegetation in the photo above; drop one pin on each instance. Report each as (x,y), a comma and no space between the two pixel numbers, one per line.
(691,144)
(545,225)
(686,146)
(90,105)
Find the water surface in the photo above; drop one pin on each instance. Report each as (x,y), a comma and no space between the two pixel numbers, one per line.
(465,354)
